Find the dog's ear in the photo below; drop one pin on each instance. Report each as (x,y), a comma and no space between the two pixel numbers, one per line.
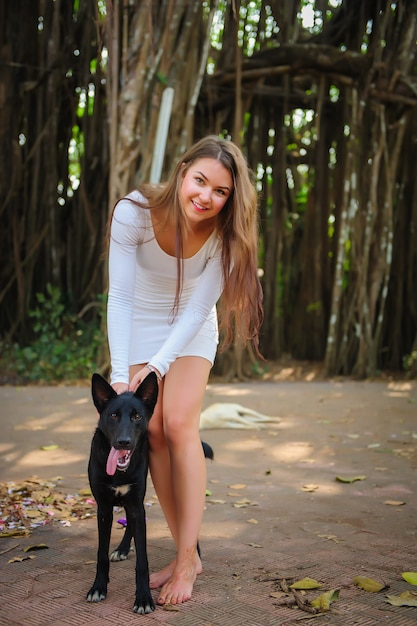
(101,391)
(148,391)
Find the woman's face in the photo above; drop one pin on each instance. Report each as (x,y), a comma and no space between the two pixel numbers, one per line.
(204,191)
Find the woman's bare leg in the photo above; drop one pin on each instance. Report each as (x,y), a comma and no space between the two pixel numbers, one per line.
(179,472)
(160,458)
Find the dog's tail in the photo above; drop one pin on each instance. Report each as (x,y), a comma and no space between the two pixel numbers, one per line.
(208,450)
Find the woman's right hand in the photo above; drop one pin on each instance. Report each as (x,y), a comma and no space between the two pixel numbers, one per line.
(120,387)
(138,378)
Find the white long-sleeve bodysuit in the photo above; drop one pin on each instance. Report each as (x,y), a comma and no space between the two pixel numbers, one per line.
(142,287)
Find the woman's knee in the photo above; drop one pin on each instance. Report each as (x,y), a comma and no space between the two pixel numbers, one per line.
(179,429)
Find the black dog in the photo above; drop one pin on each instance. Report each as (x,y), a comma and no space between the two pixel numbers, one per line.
(117,471)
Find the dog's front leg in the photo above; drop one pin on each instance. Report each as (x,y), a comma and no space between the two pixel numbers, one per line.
(143,601)
(122,551)
(98,591)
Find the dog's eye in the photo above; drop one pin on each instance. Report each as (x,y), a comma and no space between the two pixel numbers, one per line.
(113,415)
(135,417)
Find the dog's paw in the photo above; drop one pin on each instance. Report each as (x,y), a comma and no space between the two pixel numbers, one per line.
(144,606)
(96,595)
(117,555)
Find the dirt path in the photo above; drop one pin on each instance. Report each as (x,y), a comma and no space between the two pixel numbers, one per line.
(275,510)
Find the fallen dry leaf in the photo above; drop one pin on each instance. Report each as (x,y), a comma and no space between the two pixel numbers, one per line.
(342,479)
(277,595)
(306,583)
(369,584)
(309,488)
(32,503)
(19,559)
(394,502)
(324,601)
(407,598)
(240,504)
(238,486)
(14,533)
(331,538)
(39,546)
(171,607)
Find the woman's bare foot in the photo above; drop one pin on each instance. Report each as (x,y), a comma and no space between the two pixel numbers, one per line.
(160,578)
(178,588)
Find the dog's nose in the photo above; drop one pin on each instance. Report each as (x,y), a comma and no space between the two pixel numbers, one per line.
(124,443)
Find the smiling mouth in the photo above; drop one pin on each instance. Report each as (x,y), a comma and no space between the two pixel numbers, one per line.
(198,206)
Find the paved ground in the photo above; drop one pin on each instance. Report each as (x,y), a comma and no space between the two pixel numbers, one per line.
(275,511)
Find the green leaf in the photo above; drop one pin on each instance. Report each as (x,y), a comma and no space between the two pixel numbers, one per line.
(306,583)
(410,577)
(368,584)
(324,601)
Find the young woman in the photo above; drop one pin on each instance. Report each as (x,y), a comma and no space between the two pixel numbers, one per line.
(175,249)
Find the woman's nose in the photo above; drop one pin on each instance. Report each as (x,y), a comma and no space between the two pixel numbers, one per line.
(205,194)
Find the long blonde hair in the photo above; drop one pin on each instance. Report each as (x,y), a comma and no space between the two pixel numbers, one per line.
(240,306)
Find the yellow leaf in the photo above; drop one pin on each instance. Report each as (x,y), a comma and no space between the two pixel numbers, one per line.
(40,494)
(52,446)
(341,479)
(410,577)
(394,502)
(324,601)
(19,559)
(331,538)
(368,584)
(407,598)
(14,533)
(306,583)
(171,607)
(39,546)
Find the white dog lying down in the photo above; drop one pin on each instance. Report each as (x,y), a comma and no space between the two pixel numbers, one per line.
(229,415)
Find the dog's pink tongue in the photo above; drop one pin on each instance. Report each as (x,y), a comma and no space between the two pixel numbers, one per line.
(114,456)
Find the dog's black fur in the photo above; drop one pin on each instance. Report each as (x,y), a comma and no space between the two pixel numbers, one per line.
(123,425)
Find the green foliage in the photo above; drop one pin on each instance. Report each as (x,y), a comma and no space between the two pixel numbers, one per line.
(65,347)
(409,361)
